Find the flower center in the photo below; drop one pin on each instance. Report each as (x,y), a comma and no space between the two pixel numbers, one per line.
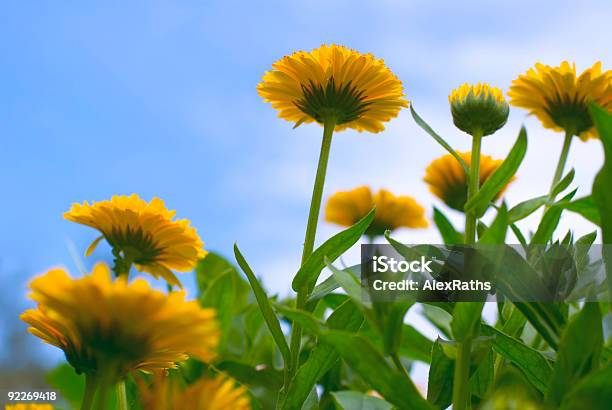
(136,244)
(343,102)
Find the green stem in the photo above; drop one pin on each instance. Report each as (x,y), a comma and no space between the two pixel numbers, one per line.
(91,384)
(398,363)
(122,396)
(123,264)
(560,164)
(311,230)
(461,382)
(473,186)
(103,390)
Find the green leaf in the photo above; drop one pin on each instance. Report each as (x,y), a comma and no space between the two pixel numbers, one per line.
(586,207)
(265,377)
(519,235)
(594,392)
(324,288)
(439,317)
(579,352)
(352,400)
(312,401)
(304,318)
(440,380)
(581,250)
(512,391)
(414,345)
(500,178)
(546,318)
(526,208)
(221,296)
(532,363)
(466,317)
(71,386)
(438,139)
(264,305)
(496,233)
(394,326)
(332,248)
(564,183)
(549,222)
(211,267)
(484,375)
(346,317)
(349,283)
(363,358)
(449,234)
(602,194)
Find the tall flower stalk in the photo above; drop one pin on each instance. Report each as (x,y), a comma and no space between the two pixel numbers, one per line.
(473,186)
(338,88)
(569,136)
(478,110)
(311,231)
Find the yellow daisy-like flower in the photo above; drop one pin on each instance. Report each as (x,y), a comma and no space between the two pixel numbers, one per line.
(559,98)
(142,233)
(347,207)
(219,393)
(214,394)
(29,406)
(447,180)
(355,89)
(113,327)
(478,109)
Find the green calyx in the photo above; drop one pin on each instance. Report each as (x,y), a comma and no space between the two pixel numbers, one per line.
(475,114)
(342,102)
(572,116)
(456,197)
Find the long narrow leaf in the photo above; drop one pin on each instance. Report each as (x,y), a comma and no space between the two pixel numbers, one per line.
(602,194)
(449,234)
(438,139)
(346,317)
(362,357)
(332,248)
(549,222)
(585,207)
(502,175)
(534,365)
(564,183)
(526,208)
(496,233)
(578,353)
(264,305)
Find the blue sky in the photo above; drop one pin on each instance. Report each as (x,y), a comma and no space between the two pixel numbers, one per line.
(158,98)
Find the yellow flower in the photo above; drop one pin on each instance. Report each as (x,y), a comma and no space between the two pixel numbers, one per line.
(560,100)
(447,180)
(29,406)
(142,233)
(219,393)
(113,327)
(355,89)
(478,108)
(392,212)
